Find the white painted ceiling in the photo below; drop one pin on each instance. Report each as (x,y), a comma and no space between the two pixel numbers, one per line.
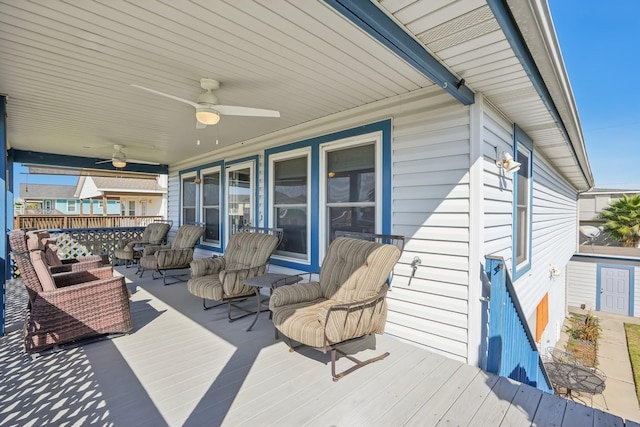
(67,69)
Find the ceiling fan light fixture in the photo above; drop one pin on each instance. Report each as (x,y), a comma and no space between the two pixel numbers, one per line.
(207,116)
(118,160)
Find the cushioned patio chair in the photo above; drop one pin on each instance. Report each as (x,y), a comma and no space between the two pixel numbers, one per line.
(222,278)
(348,301)
(175,255)
(57,265)
(69,306)
(153,234)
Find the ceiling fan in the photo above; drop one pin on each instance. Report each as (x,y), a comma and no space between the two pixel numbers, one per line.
(119,159)
(208,110)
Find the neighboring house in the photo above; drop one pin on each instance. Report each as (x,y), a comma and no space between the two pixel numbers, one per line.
(49,199)
(126,197)
(603,276)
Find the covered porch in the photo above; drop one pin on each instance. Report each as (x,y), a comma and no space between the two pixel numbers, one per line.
(185,366)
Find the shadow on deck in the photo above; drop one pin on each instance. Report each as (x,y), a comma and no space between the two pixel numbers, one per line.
(183,366)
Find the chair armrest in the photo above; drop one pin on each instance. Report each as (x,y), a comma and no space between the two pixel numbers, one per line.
(132,243)
(352,319)
(76,266)
(76,277)
(233,279)
(206,266)
(152,249)
(296,293)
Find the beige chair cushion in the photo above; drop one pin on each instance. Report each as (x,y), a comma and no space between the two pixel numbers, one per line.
(353,270)
(42,270)
(187,236)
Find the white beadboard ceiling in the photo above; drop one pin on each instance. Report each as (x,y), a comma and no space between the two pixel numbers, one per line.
(67,68)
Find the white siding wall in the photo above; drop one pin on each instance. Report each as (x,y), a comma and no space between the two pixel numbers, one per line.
(553,229)
(581,284)
(431,206)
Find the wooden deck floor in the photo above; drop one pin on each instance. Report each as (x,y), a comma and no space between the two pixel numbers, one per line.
(183,366)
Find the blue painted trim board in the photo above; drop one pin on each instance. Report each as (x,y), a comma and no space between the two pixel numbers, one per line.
(372,20)
(20,156)
(520,138)
(5,214)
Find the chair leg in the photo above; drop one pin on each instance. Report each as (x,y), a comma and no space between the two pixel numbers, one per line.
(358,363)
(204,304)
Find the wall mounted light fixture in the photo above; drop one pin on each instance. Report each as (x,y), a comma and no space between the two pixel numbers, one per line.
(505,161)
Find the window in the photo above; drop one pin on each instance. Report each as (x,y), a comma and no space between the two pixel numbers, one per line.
(71,205)
(132,208)
(522,188)
(48,205)
(189,193)
(211,204)
(350,183)
(240,196)
(290,195)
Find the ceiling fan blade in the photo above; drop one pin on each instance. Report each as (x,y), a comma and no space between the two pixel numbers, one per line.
(142,162)
(175,98)
(103,161)
(233,110)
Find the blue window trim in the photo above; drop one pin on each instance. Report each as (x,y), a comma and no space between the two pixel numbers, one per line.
(520,138)
(384,127)
(632,279)
(197,170)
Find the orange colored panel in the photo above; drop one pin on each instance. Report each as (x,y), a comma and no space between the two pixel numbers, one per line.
(542,316)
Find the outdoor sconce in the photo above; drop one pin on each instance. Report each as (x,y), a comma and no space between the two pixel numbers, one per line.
(555,271)
(505,161)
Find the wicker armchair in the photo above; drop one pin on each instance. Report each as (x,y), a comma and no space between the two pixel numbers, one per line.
(154,234)
(176,255)
(36,238)
(222,278)
(348,301)
(69,306)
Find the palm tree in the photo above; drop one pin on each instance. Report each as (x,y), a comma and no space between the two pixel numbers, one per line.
(622,220)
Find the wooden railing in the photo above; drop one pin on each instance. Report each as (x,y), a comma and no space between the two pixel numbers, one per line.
(81,221)
(512,349)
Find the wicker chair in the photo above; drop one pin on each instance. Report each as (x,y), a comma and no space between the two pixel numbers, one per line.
(222,278)
(69,306)
(36,238)
(153,234)
(348,301)
(176,255)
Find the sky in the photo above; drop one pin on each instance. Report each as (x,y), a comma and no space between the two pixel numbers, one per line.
(600,43)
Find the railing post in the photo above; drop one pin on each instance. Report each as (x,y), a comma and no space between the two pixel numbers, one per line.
(495,271)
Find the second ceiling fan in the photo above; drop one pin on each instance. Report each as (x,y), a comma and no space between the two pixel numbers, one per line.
(208,111)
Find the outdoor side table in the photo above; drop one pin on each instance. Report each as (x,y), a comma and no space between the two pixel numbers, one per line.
(272,281)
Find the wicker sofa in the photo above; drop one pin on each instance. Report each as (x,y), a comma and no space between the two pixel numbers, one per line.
(347,302)
(57,265)
(69,306)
